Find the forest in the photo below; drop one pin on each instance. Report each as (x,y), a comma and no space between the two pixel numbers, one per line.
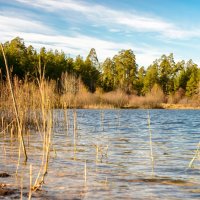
(118,81)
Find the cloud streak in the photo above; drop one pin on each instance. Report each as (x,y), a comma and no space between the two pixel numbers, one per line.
(17,24)
(33,34)
(39,34)
(116,19)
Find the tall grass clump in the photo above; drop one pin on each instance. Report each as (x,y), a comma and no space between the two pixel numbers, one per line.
(45,129)
(117,99)
(15,107)
(153,99)
(26,105)
(74,94)
(176,97)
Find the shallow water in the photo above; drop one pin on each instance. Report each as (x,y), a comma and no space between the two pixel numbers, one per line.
(123,168)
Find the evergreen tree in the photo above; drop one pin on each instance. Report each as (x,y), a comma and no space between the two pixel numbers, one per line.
(126,70)
(192,83)
(151,78)
(92,56)
(16,54)
(180,78)
(140,80)
(91,75)
(166,73)
(108,75)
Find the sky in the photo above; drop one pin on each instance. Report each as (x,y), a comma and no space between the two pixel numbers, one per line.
(150,28)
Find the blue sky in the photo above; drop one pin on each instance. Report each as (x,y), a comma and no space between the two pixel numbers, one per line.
(149,27)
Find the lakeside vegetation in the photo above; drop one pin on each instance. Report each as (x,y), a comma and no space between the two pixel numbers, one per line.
(118,82)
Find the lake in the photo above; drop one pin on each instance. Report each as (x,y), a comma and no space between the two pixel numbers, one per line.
(110,157)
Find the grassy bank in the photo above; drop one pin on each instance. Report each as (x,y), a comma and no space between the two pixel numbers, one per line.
(75,95)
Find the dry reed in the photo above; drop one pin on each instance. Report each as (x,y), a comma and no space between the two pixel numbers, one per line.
(14,105)
(196,155)
(150,142)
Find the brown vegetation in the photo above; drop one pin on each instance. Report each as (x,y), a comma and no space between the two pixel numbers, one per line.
(75,95)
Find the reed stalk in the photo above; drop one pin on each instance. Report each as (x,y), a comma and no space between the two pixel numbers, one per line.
(30,188)
(48,143)
(14,105)
(75,131)
(191,164)
(85,172)
(19,156)
(102,120)
(66,118)
(21,188)
(150,142)
(47,122)
(97,153)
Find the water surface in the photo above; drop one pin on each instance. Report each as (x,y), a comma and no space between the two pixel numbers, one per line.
(122,168)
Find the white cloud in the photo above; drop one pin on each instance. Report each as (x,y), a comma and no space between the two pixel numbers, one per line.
(114,30)
(73,45)
(115,19)
(15,24)
(81,44)
(38,34)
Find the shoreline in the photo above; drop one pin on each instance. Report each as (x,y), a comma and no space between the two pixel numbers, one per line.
(164,106)
(180,107)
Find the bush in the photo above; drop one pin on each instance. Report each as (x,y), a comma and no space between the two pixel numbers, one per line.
(116,98)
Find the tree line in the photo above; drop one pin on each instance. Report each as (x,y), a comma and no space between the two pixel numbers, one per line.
(120,72)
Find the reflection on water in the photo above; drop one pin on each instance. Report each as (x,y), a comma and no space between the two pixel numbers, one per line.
(114,144)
